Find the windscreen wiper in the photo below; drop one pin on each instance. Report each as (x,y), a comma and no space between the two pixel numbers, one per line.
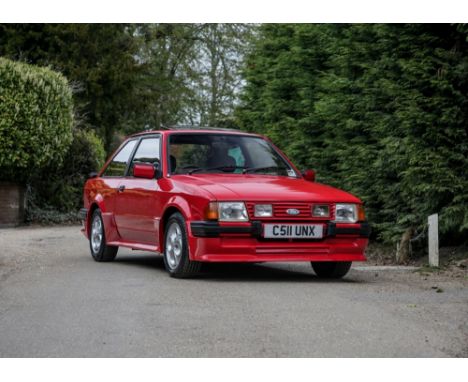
(255,169)
(215,168)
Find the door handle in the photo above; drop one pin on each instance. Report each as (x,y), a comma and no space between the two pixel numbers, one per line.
(122,188)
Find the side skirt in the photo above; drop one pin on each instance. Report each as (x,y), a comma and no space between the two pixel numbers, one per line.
(137,246)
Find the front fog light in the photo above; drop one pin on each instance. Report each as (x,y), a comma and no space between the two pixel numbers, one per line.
(321,211)
(232,211)
(263,210)
(346,213)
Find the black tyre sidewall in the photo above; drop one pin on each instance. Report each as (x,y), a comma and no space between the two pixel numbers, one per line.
(186,267)
(331,269)
(105,253)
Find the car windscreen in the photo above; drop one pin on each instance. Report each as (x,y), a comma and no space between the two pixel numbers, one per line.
(225,153)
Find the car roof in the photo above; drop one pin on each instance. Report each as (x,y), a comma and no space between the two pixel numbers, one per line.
(198,130)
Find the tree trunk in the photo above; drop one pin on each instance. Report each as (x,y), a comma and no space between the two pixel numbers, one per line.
(403,251)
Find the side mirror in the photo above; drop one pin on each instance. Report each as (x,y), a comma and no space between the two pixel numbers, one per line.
(143,170)
(309,175)
(92,175)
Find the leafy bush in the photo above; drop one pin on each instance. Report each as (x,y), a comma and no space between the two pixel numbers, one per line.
(36,118)
(59,189)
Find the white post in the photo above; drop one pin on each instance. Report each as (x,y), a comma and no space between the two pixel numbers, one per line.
(433,222)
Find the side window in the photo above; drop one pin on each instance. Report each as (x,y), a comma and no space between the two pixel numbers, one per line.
(147,152)
(119,163)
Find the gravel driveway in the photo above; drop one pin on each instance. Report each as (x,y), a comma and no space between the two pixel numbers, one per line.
(55,301)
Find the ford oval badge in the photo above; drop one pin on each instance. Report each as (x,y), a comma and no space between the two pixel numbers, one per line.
(293,211)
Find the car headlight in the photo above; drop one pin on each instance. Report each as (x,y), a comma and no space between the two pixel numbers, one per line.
(232,211)
(346,213)
(263,210)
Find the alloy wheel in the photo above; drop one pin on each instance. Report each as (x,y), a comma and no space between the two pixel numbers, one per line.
(174,245)
(96,234)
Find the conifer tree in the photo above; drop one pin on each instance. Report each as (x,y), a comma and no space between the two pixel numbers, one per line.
(379,110)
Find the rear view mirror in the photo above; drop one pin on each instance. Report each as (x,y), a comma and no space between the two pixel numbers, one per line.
(143,170)
(309,175)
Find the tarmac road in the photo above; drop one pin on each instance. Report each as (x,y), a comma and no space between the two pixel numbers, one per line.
(55,301)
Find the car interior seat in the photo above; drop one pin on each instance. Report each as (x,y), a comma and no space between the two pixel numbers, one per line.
(220,158)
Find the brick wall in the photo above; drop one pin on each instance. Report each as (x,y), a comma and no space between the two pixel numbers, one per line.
(11,204)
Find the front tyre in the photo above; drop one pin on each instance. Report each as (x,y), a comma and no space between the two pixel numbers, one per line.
(97,239)
(331,269)
(176,251)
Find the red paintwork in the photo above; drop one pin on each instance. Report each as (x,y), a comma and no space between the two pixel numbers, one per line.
(135,218)
(143,171)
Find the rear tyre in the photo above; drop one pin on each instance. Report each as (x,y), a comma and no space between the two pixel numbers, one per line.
(100,251)
(176,250)
(331,269)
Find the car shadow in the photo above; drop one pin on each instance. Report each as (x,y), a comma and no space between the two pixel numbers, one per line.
(232,272)
(146,261)
(229,272)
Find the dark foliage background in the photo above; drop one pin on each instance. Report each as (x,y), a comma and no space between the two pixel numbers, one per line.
(379,110)
(97,59)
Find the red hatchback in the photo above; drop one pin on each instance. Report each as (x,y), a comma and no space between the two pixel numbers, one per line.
(219,196)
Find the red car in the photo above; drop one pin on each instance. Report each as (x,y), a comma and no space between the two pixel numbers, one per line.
(219,196)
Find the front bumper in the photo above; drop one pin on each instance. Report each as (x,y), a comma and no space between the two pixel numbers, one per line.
(214,229)
(211,241)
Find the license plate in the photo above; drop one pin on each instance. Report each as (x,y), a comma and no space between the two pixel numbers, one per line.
(293,231)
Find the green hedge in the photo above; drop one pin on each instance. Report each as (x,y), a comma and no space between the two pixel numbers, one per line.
(58,189)
(36,119)
(380,110)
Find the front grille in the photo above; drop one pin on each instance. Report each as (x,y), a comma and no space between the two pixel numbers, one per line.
(280,211)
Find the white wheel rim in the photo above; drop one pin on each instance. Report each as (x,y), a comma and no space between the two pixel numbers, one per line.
(174,245)
(96,234)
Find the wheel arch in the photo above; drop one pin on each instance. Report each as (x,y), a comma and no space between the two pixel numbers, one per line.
(93,207)
(189,265)
(98,202)
(168,212)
